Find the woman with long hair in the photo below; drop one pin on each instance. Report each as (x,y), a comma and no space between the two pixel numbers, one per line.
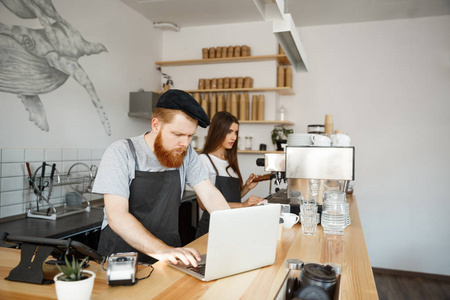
(220,157)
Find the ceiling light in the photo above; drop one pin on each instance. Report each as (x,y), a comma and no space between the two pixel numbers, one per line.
(166,26)
(288,37)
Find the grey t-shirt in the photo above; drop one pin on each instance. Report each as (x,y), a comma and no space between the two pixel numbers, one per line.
(116,170)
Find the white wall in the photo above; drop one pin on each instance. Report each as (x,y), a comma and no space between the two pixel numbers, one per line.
(76,133)
(387,86)
(133,47)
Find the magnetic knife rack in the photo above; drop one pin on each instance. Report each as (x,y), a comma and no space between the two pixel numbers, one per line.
(71,179)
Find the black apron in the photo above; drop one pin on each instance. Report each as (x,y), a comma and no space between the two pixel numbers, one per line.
(230,189)
(154,201)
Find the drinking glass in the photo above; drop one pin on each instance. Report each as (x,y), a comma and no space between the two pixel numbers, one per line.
(309,223)
(309,200)
(308,208)
(248,143)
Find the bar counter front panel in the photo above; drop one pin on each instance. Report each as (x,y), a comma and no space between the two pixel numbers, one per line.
(357,281)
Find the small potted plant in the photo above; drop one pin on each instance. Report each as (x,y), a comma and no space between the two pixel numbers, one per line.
(279,135)
(73,282)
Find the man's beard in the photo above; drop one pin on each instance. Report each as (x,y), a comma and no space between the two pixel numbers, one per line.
(168,158)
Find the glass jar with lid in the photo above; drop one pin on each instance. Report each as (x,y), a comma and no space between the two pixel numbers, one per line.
(316,129)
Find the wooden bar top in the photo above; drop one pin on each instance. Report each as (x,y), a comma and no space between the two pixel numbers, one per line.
(357,281)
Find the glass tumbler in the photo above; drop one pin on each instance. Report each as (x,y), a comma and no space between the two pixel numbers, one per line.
(248,143)
(309,223)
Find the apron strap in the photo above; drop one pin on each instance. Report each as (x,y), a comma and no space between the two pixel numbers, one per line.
(133,152)
(214,166)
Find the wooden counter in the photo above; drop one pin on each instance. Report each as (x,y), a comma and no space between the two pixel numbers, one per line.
(349,250)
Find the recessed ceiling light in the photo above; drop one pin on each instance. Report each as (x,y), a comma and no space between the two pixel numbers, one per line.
(149,1)
(166,26)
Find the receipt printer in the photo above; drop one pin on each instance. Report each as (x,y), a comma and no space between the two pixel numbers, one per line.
(122,268)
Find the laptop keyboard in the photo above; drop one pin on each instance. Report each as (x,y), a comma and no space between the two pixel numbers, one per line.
(200,269)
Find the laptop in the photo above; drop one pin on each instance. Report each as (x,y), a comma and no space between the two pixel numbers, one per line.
(239,240)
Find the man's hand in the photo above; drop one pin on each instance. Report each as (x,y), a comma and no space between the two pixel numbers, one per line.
(138,237)
(189,256)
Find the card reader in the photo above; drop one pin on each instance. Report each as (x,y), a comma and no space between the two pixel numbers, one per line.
(122,268)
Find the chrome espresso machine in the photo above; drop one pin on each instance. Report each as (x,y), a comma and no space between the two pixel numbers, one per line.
(308,170)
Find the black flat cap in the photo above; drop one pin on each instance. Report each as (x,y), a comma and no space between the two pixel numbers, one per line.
(178,99)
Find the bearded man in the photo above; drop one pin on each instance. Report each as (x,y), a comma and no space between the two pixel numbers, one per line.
(143,178)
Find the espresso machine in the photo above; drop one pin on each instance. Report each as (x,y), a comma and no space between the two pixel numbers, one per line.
(312,164)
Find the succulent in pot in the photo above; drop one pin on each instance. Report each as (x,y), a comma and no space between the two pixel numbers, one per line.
(73,282)
(279,135)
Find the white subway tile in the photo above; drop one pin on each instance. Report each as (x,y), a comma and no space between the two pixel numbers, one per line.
(12,184)
(13,155)
(66,166)
(97,154)
(36,155)
(12,198)
(84,154)
(56,193)
(70,154)
(29,196)
(13,169)
(12,210)
(53,155)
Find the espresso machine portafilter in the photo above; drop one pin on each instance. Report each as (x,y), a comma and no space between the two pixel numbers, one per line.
(275,164)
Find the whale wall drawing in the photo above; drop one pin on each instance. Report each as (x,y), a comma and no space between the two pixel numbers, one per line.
(34,62)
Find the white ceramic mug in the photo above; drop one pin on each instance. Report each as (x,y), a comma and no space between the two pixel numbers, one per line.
(289,219)
(320,140)
(340,140)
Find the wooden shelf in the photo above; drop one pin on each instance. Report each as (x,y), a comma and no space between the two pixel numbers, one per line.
(250,151)
(279,90)
(280,58)
(257,152)
(265,122)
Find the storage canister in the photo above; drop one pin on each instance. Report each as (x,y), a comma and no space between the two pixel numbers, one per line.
(212,52)
(319,275)
(234,105)
(205,103)
(254,107)
(228,103)
(201,84)
(205,52)
(207,84)
(220,83)
(288,77)
(240,82)
(221,102)
(316,129)
(230,51)
(237,51)
(280,76)
(233,82)
(213,105)
(224,52)
(214,83)
(226,83)
(261,107)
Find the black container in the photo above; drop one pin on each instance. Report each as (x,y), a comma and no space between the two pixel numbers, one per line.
(319,275)
(279,143)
